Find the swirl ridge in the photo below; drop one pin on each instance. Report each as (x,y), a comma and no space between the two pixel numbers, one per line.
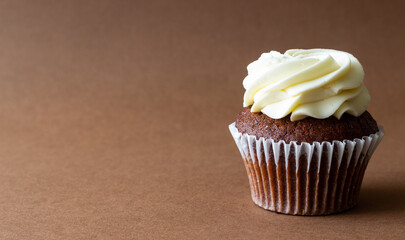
(315,83)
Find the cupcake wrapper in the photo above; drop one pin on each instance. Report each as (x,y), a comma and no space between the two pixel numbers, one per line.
(305,179)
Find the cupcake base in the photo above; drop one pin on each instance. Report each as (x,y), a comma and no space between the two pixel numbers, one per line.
(305,179)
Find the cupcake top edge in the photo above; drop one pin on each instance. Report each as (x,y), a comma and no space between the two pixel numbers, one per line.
(316,83)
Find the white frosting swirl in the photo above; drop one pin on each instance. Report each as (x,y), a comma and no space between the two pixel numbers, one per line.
(317,82)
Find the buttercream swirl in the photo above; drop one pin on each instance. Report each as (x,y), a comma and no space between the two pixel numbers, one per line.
(315,83)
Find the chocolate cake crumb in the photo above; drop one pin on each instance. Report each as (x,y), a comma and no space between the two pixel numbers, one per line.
(306,130)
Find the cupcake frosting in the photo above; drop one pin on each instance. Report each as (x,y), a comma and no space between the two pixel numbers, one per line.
(315,83)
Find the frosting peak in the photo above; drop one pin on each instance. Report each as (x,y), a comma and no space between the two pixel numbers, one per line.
(315,83)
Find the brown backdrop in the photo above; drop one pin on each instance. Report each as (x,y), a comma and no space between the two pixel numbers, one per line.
(114,115)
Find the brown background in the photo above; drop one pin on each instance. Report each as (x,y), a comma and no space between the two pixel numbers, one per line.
(114,115)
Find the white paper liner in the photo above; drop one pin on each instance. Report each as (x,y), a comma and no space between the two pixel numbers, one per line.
(305,179)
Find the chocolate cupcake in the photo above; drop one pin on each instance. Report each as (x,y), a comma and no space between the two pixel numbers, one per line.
(305,135)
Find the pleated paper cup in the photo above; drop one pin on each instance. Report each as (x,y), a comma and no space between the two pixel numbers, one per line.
(307,178)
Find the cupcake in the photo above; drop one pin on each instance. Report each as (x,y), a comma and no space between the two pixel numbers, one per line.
(304,133)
